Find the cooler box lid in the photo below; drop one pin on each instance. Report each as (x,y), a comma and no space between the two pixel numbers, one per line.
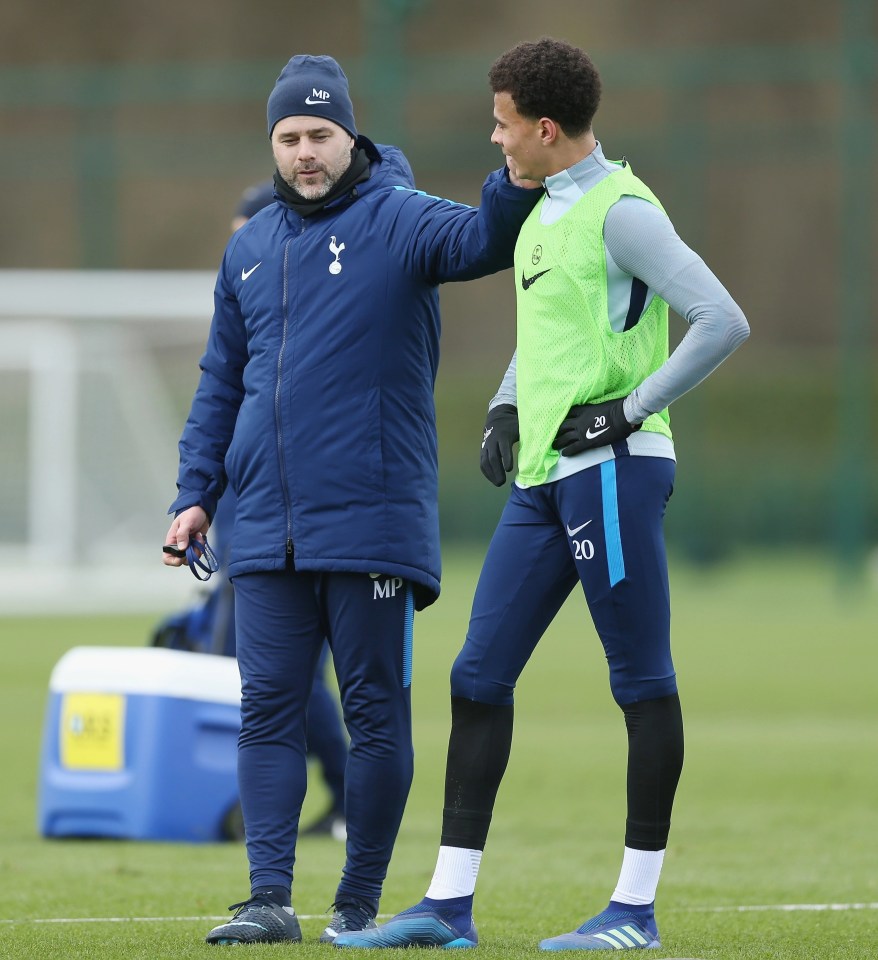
(152,671)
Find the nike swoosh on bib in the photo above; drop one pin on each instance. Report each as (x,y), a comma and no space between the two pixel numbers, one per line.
(527,282)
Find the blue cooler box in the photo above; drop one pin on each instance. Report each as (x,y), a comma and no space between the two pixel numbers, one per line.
(141,744)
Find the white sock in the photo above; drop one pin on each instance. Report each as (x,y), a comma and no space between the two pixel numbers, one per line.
(639,876)
(455,875)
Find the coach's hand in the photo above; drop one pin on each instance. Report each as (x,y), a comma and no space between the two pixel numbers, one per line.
(191,524)
(591,425)
(501,431)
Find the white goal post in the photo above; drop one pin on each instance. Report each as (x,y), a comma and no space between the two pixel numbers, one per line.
(96,371)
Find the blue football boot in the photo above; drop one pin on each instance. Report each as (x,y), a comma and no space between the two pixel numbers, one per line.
(430,923)
(614,929)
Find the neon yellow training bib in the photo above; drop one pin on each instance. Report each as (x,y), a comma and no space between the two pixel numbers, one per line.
(567,351)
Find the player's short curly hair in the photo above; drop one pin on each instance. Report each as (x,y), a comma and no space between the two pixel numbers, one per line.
(550,78)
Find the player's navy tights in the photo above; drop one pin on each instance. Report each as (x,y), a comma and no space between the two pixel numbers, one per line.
(478,751)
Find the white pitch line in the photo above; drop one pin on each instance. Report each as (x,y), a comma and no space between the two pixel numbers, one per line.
(301,916)
(779,907)
(108,919)
(788,907)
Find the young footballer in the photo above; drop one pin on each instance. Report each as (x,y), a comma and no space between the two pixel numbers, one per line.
(597,265)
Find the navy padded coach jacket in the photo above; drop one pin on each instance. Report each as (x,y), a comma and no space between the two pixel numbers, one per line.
(316,391)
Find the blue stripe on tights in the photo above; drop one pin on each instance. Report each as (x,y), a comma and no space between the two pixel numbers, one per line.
(612,533)
(407,637)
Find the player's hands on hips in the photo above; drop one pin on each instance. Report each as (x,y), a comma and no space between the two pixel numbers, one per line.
(590,425)
(501,432)
(192,523)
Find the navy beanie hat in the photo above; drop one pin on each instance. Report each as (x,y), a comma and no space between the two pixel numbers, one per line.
(312,87)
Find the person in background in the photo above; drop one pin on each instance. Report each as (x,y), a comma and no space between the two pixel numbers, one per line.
(315,404)
(253,199)
(597,265)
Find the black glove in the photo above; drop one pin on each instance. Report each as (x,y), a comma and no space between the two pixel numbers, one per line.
(591,425)
(501,431)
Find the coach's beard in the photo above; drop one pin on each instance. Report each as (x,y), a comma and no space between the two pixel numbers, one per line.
(307,199)
(314,191)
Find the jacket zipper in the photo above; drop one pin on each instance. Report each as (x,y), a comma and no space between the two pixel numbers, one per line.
(278,414)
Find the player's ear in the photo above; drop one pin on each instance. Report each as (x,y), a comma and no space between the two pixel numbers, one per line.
(548,131)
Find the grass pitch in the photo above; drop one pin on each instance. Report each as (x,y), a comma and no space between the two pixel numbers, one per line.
(776,818)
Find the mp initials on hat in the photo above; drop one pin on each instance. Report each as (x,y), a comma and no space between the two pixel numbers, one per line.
(312,87)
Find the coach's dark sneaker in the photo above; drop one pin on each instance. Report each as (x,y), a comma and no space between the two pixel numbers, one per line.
(257,920)
(349,914)
(430,923)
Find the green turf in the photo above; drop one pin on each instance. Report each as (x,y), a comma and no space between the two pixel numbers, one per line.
(778,802)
